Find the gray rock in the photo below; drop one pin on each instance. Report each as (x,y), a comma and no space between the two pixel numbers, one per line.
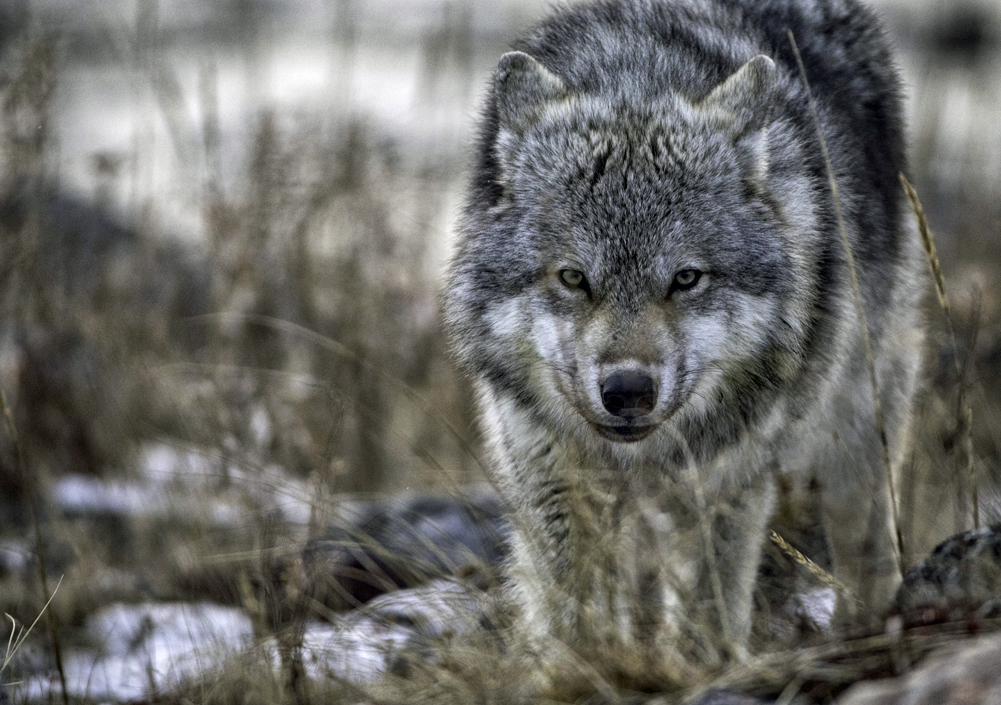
(406,542)
(960,580)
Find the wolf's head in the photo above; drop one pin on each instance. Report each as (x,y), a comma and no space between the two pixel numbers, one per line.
(628,264)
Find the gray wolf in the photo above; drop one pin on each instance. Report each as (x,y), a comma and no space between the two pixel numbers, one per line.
(651,296)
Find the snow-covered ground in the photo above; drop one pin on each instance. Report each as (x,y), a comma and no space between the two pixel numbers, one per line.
(144,649)
(131,652)
(141,650)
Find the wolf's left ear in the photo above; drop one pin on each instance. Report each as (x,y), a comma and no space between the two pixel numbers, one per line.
(743,102)
(522,86)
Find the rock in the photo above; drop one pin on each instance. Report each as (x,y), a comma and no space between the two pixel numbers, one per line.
(397,632)
(406,542)
(960,580)
(967,673)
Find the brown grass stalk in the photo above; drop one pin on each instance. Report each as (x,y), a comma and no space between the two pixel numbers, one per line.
(18,637)
(964,413)
(811,567)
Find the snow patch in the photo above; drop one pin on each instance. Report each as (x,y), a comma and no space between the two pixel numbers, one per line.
(145,649)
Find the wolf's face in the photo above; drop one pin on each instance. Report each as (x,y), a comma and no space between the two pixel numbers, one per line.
(635,270)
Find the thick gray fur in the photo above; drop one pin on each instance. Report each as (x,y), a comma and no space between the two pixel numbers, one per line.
(630,140)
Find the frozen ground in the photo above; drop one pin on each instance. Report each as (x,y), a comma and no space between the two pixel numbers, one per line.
(128,652)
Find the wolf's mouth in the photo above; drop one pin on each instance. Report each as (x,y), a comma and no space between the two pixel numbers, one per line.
(625,434)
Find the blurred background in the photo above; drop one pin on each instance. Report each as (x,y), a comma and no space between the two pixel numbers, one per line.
(223,227)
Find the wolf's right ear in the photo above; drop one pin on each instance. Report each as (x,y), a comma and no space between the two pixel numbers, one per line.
(522,86)
(743,102)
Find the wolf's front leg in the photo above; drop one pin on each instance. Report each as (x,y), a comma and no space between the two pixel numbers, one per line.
(529,468)
(858,523)
(738,518)
(857,513)
(595,563)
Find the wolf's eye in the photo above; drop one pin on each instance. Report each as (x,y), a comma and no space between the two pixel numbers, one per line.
(685,279)
(573,279)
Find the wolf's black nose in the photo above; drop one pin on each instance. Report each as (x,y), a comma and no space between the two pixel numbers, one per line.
(629,394)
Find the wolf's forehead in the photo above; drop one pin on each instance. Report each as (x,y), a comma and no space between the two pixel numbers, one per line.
(624,145)
(635,163)
(625,186)
(623,173)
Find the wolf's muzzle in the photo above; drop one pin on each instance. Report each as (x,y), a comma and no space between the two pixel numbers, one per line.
(629,394)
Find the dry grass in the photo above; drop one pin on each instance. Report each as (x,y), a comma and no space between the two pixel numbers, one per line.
(964,413)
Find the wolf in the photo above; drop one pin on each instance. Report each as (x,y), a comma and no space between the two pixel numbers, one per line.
(651,293)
